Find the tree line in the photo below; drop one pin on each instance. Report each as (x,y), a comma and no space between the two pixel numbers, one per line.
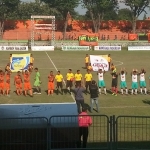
(97,10)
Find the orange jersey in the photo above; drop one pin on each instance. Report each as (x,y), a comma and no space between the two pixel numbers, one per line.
(1,78)
(8,78)
(26,78)
(51,78)
(18,79)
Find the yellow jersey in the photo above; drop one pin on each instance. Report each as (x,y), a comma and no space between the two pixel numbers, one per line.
(69,76)
(78,77)
(31,59)
(59,78)
(109,59)
(88,77)
(86,59)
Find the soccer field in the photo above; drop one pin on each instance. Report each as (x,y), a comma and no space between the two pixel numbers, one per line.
(59,60)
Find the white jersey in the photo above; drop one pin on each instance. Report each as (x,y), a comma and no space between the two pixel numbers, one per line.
(100,76)
(134,78)
(142,77)
(123,77)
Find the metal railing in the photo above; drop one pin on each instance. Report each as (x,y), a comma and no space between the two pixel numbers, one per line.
(62,132)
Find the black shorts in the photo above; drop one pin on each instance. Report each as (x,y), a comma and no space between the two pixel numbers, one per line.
(69,83)
(78,83)
(87,83)
(59,84)
(114,83)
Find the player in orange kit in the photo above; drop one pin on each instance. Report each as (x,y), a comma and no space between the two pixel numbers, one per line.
(18,83)
(51,79)
(2,84)
(27,84)
(7,83)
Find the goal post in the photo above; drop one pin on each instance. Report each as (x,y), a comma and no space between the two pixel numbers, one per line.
(43,28)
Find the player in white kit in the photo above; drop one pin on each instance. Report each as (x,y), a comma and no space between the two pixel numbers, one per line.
(134,75)
(101,82)
(123,84)
(142,81)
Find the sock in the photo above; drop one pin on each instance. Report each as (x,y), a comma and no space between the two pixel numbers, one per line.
(113,89)
(39,89)
(126,91)
(116,90)
(135,91)
(132,91)
(141,90)
(99,90)
(145,90)
(105,90)
(121,91)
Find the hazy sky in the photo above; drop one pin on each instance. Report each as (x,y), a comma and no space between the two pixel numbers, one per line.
(82,11)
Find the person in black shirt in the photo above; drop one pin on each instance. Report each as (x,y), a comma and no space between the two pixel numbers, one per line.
(94,95)
(114,83)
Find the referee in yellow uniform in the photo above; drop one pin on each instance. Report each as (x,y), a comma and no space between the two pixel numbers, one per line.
(78,78)
(59,80)
(88,79)
(69,82)
(86,61)
(109,61)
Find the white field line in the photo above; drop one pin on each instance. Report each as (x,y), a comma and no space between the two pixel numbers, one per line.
(119,63)
(53,68)
(119,107)
(57,70)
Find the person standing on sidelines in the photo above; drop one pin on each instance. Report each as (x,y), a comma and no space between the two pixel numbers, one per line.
(109,61)
(142,81)
(27,83)
(18,83)
(86,61)
(78,78)
(2,84)
(37,82)
(134,75)
(123,84)
(78,91)
(94,95)
(101,82)
(88,78)
(114,83)
(51,79)
(59,80)
(7,82)
(84,121)
(69,80)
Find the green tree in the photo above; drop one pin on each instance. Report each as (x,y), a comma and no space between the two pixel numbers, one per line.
(6,8)
(125,14)
(65,7)
(98,9)
(137,7)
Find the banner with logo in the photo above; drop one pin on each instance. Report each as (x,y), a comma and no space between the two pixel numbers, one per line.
(99,62)
(19,62)
(75,48)
(107,48)
(13,48)
(42,48)
(138,48)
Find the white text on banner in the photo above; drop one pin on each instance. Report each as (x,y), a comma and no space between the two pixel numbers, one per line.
(13,48)
(107,48)
(75,48)
(138,48)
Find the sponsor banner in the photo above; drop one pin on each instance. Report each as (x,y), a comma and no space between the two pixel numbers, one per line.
(99,62)
(13,48)
(19,62)
(107,48)
(42,48)
(138,48)
(75,48)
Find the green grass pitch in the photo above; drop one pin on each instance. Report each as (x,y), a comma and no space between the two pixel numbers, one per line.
(109,105)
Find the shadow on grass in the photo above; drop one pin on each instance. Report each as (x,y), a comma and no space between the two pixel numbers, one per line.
(146,101)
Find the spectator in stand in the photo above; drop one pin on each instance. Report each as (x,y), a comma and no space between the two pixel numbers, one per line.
(78,91)
(104,38)
(115,37)
(84,121)
(107,37)
(94,95)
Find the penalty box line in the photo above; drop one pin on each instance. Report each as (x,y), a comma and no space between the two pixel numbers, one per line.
(57,70)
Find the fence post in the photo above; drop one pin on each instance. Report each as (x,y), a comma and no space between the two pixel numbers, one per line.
(114,132)
(111,133)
